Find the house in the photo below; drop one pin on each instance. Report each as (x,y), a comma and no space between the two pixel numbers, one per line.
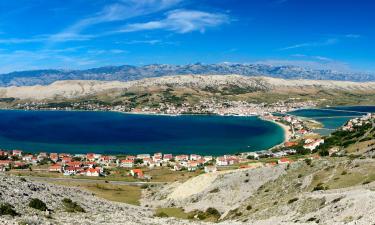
(158,155)
(207,158)
(54,157)
(143,156)
(284,161)
(17,153)
(167,157)
(34,160)
(221,161)
(19,165)
(105,159)
(182,157)
(127,163)
(5,163)
(3,153)
(27,158)
(91,172)
(137,173)
(210,169)
(69,171)
(313,145)
(76,164)
(192,166)
(90,157)
(195,157)
(42,155)
(66,159)
(130,157)
(89,164)
(55,168)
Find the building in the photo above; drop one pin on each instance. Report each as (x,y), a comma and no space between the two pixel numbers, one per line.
(69,171)
(182,157)
(17,153)
(167,157)
(192,166)
(126,163)
(314,144)
(54,157)
(91,172)
(221,161)
(55,168)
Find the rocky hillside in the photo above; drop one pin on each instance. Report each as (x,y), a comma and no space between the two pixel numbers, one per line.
(227,85)
(324,191)
(18,192)
(127,73)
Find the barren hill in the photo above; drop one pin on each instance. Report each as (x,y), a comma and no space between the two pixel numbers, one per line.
(230,85)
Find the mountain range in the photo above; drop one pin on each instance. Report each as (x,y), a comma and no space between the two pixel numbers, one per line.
(129,73)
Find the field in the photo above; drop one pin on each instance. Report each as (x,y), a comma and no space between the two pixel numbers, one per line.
(117,193)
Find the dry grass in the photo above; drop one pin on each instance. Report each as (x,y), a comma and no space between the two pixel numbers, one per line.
(112,192)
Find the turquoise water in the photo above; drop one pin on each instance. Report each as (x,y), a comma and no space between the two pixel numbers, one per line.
(333,117)
(117,133)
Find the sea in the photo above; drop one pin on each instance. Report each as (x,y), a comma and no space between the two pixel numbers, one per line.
(119,133)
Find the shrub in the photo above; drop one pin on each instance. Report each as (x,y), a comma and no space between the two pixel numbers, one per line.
(308,161)
(38,204)
(319,187)
(249,207)
(292,200)
(215,190)
(71,206)
(213,212)
(7,209)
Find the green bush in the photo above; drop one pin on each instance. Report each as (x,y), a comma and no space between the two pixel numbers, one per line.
(38,204)
(7,209)
(71,206)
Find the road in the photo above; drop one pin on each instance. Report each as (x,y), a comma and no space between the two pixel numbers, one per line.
(90,181)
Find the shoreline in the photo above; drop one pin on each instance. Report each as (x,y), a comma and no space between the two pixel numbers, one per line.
(287,132)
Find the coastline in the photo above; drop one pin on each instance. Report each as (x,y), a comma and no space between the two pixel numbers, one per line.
(287,132)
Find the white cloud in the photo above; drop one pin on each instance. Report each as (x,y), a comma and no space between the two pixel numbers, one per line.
(330,41)
(181,21)
(119,11)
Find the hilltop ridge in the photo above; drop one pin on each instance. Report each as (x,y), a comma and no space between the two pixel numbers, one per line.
(128,73)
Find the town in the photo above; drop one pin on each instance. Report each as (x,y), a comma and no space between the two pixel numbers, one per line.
(209,106)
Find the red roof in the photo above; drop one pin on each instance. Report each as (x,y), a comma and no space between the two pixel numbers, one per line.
(127,161)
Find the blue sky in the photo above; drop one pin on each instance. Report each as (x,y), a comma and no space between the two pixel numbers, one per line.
(71,34)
